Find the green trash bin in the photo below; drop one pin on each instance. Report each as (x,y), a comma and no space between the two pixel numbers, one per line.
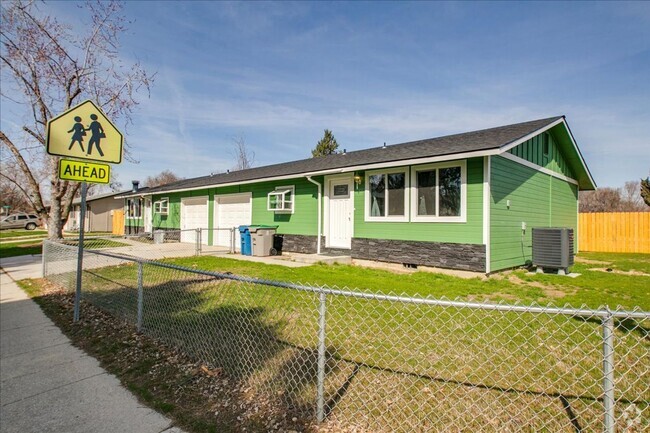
(262,240)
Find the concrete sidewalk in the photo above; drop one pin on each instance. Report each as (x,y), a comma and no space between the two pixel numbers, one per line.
(48,385)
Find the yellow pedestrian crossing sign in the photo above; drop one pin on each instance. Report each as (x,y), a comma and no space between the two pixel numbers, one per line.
(84,132)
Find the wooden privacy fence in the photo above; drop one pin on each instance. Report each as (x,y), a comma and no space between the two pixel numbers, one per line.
(614,232)
(118,222)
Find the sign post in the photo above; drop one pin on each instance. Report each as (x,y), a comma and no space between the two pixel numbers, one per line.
(80,250)
(66,134)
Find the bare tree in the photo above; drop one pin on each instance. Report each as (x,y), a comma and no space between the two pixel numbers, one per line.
(243,155)
(631,196)
(601,200)
(626,199)
(49,67)
(163,178)
(12,198)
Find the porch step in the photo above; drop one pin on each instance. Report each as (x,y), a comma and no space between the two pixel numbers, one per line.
(328,259)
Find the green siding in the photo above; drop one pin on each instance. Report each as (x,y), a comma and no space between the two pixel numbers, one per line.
(536,198)
(533,151)
(304,220)
(173,218)
(470,232)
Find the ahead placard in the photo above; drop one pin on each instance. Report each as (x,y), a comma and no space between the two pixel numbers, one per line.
(84,132)
(82,171)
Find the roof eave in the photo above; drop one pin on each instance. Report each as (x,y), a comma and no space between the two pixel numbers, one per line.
(372,166)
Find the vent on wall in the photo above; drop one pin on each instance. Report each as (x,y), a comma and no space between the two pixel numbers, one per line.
(553,248)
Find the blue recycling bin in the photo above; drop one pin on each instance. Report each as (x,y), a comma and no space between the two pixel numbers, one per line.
(245,235)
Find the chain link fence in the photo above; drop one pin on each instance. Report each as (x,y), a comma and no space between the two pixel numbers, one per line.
(364,361)
(161,244)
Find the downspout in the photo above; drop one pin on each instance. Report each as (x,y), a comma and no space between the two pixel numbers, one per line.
(320,216)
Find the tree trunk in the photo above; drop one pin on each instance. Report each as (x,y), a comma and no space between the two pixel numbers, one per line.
(55,221)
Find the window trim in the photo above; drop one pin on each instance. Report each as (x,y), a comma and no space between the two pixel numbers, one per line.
(281,191)
(387,218)
(127,213)
(158,206)
(463,193)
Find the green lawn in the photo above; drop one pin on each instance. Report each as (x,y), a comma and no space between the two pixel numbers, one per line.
(21,233)
(35,246)
(12,249)
(593,288)
(388,362)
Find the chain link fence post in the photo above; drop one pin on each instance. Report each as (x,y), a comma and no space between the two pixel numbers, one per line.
(140,296)
(608,372)
(320,391)
(197,246)
(43,257)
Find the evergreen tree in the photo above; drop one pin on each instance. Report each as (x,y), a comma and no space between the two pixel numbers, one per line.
(645,190)
(326,146)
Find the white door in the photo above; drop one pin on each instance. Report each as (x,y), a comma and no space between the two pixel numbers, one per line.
(194,215)
(148,220)
(232,210)
(340,212)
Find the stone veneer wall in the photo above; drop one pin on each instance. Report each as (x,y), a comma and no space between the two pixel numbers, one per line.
(468,257)
(133,230)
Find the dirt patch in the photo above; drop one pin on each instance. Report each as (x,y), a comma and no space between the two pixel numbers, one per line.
(549,291)
(494,296)
(619,272)
(398,268)
(591,262)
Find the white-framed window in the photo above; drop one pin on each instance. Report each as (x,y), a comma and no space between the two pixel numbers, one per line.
(439,192)
(387,195)
(134,207)
(281,199)
(161,206)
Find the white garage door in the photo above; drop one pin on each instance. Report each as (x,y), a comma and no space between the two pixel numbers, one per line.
(194,215)
(232,210)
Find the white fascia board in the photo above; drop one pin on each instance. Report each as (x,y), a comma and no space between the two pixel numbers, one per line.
(539,168)
(487,170)
(396,163)
(575,146)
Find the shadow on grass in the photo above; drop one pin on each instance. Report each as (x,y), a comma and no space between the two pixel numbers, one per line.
(211,319)
(625,326)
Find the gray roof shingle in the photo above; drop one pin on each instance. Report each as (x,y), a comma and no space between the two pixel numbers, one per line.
(484,139)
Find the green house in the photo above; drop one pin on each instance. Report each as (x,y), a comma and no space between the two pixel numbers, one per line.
(466,201)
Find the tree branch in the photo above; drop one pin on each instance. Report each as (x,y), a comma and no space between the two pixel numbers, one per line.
(33,184)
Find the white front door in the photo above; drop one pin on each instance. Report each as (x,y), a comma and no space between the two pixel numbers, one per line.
(194,215)
(148,220)
(340,212)
(232,210)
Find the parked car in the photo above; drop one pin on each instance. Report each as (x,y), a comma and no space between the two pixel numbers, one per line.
(20,221)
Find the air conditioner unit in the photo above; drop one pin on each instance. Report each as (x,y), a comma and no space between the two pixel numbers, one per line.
(553,248)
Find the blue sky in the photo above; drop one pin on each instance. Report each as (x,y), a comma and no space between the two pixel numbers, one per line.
(280,73)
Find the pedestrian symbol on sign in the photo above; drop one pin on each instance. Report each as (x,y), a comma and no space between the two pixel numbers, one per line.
(84,132)
(97,134)
(78,132)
